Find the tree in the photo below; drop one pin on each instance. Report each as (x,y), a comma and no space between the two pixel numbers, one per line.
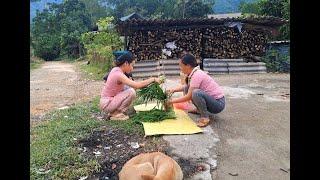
(162,8)
(56,31)
(45,39)
(74,20)
(198,8)
(249,7)
(271,7)
(96,10)
(277,8)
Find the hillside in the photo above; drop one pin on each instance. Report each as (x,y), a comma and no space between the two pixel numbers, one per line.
(40,5)
(221,6)
(228,6)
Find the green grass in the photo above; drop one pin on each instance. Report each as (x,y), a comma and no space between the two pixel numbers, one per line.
(128,126)
(34,65)
(35,62)
(154,115)
(94,72)
(53,146)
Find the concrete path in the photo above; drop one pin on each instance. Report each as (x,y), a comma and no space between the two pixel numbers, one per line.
(250,139)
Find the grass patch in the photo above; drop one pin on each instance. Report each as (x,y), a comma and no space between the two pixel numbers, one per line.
(128,126)
(95,72)
(53,150)
(34,65)
(35,62)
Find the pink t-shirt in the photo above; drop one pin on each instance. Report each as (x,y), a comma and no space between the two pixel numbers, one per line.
(201,80)
(112,86)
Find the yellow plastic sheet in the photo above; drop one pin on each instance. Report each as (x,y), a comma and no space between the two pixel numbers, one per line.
(183,124)
(146,107)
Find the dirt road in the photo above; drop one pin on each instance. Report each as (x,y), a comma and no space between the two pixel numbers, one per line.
(58,84)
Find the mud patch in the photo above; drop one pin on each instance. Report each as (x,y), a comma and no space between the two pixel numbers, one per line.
(39,109)
(276,98)
(189,168)
(238,93)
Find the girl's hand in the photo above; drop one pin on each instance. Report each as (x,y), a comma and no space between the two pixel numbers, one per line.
(168,104)
(157,80)
(170,91)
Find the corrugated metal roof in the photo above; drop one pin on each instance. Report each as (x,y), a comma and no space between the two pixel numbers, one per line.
(221,16)
(279,42)
(136,24)
(131,16)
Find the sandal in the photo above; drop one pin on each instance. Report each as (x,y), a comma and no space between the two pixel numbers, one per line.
(203,122)
(194,111)
(119,117)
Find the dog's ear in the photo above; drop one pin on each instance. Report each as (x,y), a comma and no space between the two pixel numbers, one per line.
(147,177)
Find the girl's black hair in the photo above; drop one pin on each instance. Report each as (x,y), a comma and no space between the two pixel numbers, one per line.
(127,57)
(189,59)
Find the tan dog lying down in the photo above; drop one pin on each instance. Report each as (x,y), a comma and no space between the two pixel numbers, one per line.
(151,166)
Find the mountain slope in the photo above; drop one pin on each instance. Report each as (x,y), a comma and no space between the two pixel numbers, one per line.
(220,6)
(228,6)
(40,5)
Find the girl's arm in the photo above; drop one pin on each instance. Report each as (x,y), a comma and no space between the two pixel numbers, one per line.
(137,85)
(187,97)
(176,89)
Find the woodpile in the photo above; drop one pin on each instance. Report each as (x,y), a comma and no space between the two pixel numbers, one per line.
(209,42)
(224,42)
(204,37)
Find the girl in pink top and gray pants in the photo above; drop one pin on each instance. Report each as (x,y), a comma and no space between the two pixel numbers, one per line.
(119,91)
(201,89)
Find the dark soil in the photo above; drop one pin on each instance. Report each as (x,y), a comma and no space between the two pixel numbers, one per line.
(189,168)
(114,146)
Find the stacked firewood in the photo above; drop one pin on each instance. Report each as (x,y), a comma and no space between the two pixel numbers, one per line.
(210,42)
(223,42)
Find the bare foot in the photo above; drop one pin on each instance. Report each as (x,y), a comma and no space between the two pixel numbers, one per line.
(120,117)
(114,113)
(203,122)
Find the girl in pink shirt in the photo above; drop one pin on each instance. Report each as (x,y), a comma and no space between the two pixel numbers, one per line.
(204,92)
(115,96)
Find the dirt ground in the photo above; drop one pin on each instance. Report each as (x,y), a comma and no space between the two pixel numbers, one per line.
(58,84)
(254,129)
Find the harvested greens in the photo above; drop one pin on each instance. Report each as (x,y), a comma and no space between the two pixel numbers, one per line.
(154,115)
(154,92)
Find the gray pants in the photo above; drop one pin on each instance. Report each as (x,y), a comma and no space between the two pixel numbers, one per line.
(206,104)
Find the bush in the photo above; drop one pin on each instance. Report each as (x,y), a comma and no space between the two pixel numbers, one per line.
(277,62)
(47,47)
(100,45)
